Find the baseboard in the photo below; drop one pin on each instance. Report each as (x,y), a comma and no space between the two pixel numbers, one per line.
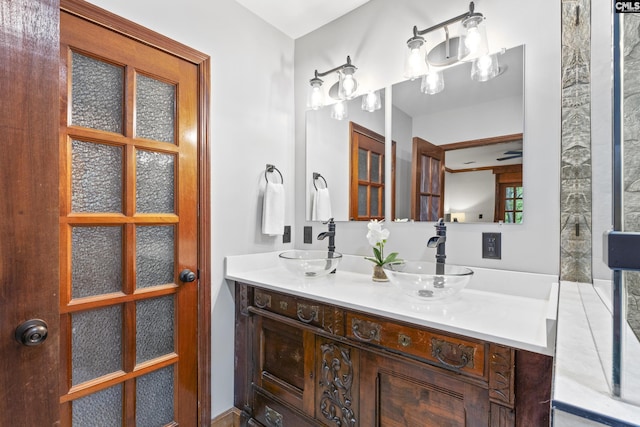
(229,418)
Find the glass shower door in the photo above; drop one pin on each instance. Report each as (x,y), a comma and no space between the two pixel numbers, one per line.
(624,241)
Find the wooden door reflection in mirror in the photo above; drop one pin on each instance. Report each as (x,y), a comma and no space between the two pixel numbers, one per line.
(367,195)
(427,181)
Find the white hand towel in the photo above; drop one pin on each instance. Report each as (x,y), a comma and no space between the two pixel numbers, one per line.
(273,209)
(321,205)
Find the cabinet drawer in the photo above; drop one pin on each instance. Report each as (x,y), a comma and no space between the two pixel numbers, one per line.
(463,355)
(329,318)
(272,413)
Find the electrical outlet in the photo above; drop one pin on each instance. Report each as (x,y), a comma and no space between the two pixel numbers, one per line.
(286,237)
(492,245)
(308,234)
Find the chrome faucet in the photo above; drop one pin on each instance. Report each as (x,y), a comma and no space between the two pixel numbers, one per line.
(438,242)
(331,234)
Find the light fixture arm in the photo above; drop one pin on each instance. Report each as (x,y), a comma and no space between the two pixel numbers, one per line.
(342,67)
(453,20)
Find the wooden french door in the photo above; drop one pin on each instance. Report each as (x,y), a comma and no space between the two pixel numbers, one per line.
(128,231)
(427,181)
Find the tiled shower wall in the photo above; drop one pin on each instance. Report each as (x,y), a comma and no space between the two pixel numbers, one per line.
(575,177)
(576,201)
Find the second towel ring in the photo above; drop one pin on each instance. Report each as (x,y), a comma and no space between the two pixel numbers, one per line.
(271,168)
(316,175)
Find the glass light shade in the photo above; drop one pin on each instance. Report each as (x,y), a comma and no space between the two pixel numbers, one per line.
(473,43)
(371,101)
(347,86)
(339,110)
(315,97)
(485,68)
(432,83)
(415,64)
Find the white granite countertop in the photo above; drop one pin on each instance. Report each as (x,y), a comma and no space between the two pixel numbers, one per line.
(509,308)
(583,360)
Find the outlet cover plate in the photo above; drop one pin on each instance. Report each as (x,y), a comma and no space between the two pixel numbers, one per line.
(492,245)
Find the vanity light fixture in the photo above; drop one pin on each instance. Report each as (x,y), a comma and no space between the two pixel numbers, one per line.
(345,88)
(470,46)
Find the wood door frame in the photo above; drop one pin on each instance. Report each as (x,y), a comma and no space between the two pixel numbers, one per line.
(137,32)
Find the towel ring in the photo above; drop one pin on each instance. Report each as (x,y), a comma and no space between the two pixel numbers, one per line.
(271,168)
(316,175)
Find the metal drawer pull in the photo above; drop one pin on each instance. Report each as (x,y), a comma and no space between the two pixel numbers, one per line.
(273,418)
(365,331)
(313,315)
(262,300)
(466,353)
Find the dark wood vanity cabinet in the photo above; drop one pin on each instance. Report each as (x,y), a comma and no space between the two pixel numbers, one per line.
(304,363)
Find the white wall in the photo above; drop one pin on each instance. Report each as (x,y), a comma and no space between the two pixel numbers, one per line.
(251,125)
(374,35)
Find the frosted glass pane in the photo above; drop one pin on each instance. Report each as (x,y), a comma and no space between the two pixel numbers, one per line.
(154,182)
(424,208)
(96,177)
(103,409)
(375,167)
(154,255)
(435,205)
(435,176)
(363,166)
(155,109)
(154,398)
(96,261)
(96,94)
(362,200)
(96,342)
(374,202)
(154,328)
(424,174)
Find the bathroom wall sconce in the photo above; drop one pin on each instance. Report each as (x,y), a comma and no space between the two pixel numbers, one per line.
(344,88)
(471,45)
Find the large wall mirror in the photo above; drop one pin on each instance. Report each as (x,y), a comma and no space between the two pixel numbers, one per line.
(339,152)
(470,135)
(459,153)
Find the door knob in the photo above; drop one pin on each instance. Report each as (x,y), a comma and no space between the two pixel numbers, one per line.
(32,332)
(187,275)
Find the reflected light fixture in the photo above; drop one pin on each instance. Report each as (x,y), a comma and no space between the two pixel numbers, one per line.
(371,101)
(485,68)
(469,46)
(339,110)
(345,88)
(432,83)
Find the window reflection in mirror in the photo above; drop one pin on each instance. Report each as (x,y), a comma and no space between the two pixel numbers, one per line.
(479,128)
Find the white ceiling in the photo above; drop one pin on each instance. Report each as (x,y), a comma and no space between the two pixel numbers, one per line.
(296,18)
